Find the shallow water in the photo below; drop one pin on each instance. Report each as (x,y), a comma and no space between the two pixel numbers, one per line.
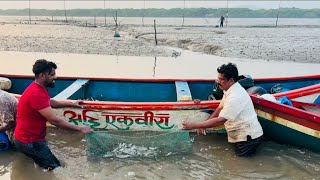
(212,158)
(165,21)
(188,65)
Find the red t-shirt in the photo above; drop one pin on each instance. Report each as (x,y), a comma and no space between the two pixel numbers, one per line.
(31,125)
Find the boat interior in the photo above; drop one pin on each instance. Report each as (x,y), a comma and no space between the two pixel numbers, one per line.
(130,90)
(309,103)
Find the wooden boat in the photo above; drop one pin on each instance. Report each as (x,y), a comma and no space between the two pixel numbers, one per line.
(163,104)
(297,125)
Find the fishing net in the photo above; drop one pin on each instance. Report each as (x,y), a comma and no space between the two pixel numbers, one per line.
(126,144)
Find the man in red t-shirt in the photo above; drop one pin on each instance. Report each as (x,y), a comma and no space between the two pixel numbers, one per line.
(34,110)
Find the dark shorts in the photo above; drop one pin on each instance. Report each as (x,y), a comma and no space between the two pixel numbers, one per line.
(39,152)
(248,148)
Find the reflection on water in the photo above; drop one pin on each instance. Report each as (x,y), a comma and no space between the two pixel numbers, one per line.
(154,67)
(189,65)
(212,158)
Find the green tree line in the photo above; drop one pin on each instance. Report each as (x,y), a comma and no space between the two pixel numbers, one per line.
(175,12)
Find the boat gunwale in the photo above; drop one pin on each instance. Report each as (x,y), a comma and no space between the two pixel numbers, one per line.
(316,76)
(190,104)
(283,110)
(295,93)
(112,105)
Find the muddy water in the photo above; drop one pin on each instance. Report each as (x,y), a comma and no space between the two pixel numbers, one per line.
(187,65)
(212,157)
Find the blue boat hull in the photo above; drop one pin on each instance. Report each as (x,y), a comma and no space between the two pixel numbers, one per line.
(144,90)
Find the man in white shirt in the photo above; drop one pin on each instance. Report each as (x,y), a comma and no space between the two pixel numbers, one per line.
(236,112)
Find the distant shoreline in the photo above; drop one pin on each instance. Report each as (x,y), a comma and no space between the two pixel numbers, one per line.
(174,12)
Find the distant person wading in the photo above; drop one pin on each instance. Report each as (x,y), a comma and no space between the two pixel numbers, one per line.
(221,21)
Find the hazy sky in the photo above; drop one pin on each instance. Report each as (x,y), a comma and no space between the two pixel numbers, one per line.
(38,4)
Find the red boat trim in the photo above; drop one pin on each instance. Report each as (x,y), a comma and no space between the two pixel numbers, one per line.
(300,92)
(316,76)
(152,105)
(299,104)
(291,118)
(292,114)
(168,80)
(108,105)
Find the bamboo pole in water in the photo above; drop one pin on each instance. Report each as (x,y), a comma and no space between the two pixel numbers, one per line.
(105,15)
(65,10)
(155,32)
(30,11)
(144,7)
(227,13)
(184,6)
(154,67)
(116,19)
(278,13)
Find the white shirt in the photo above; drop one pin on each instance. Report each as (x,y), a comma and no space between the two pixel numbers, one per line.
(238,110)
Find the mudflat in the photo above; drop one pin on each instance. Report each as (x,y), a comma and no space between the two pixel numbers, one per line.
(285,43)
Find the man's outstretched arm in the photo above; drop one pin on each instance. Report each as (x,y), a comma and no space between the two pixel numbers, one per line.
(49,114)
(204,124)
(62,104)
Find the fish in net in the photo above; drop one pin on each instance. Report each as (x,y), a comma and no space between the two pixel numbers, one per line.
(127,144)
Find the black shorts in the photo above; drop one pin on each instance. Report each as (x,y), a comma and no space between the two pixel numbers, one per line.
(248,148)
(39,152)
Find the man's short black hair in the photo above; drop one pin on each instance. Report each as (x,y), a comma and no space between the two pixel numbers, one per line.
(43,66)
(229,70)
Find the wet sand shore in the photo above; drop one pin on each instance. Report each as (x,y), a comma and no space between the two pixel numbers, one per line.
(279,44)
(292,44)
